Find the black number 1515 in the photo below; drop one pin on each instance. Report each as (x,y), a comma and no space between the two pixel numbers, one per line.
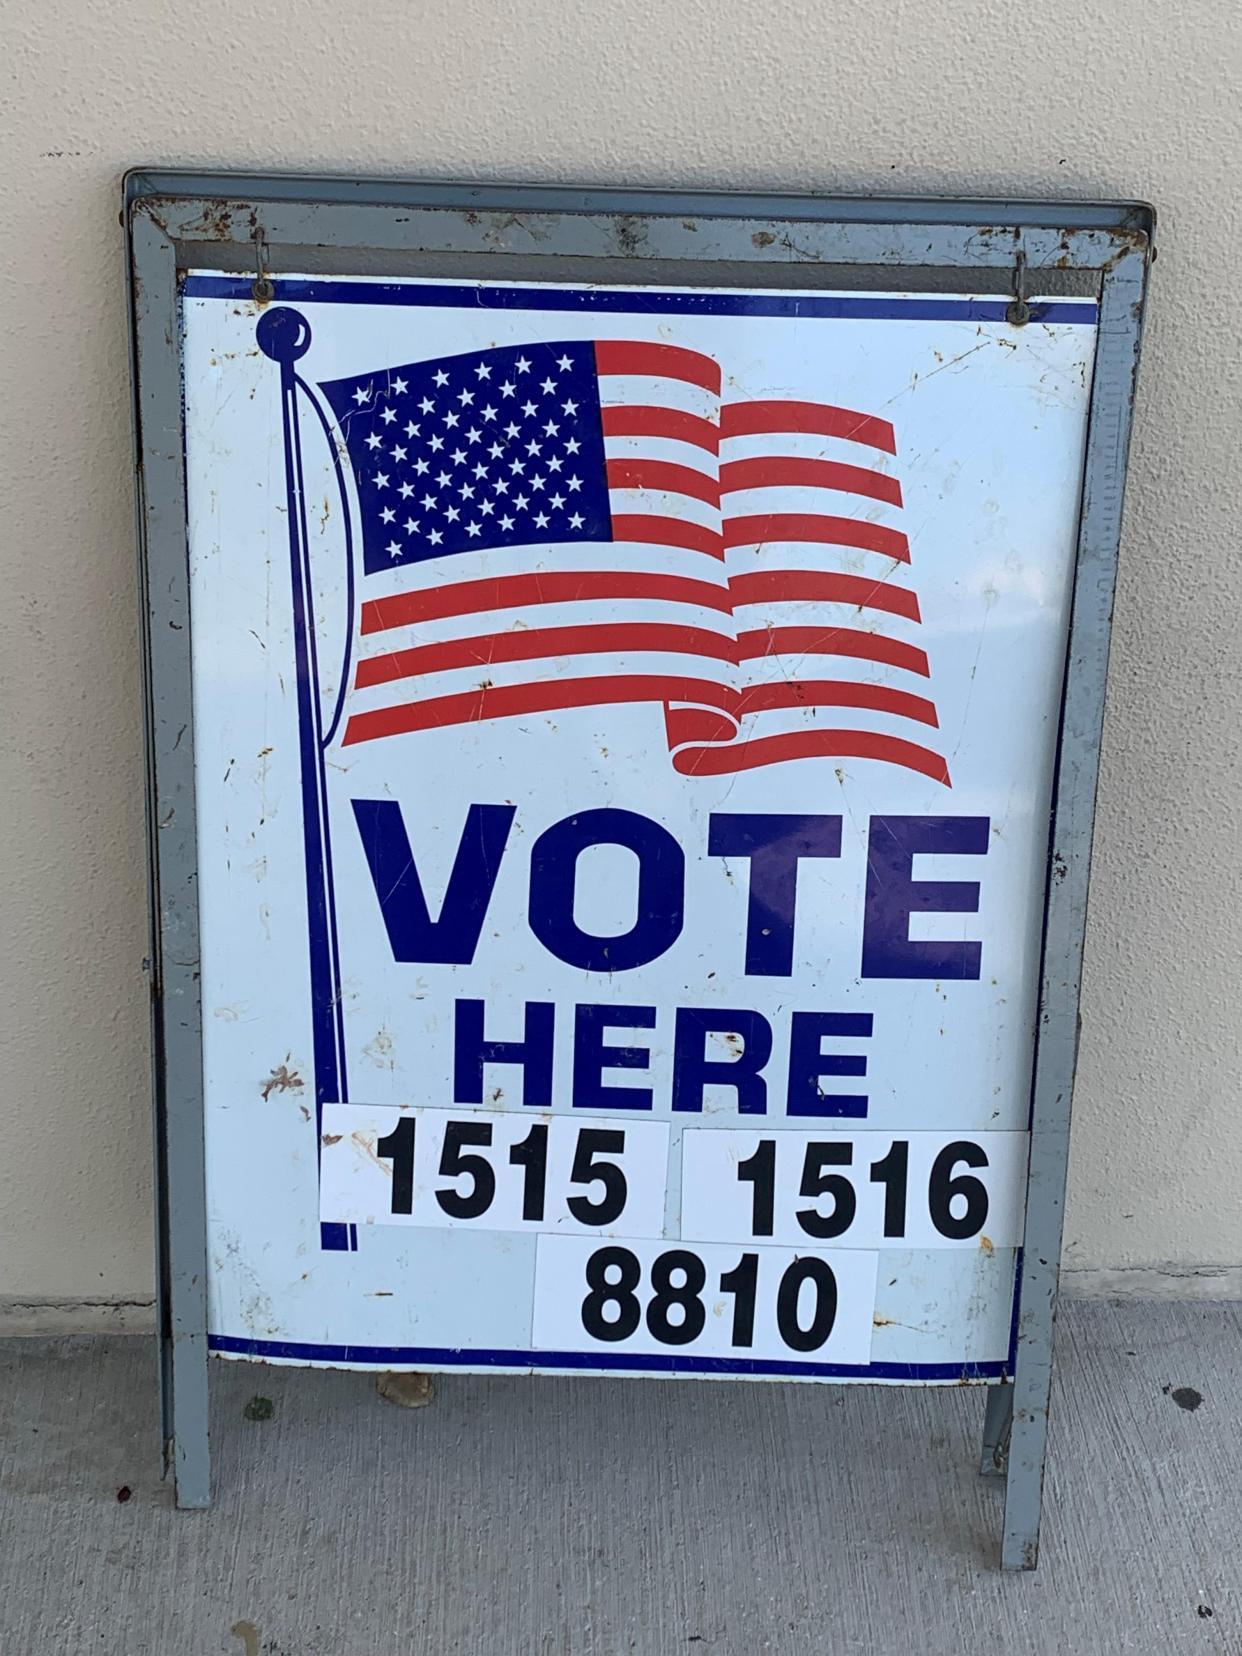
(461,1158)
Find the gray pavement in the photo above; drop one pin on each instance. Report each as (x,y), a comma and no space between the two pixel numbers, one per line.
(625,1518)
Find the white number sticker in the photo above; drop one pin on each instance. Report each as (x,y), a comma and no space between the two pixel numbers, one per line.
(713,1301)
(492,1170)
(854,1190)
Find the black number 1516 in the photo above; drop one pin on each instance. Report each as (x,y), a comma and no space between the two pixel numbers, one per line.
(822,1177)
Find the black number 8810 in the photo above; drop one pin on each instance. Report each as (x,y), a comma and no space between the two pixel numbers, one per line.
(675,1312)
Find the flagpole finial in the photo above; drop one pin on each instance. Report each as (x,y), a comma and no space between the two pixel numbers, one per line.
(283,334)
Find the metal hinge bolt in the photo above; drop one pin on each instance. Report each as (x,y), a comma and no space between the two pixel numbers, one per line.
(1019,311)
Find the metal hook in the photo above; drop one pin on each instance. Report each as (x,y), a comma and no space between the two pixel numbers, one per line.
(263,289)
(1018,312)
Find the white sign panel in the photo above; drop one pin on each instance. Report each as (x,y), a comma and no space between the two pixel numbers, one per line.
(624,725)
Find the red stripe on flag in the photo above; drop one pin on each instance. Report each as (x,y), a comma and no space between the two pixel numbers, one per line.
(650,529)
(640,421)
(621,356)
(407,609)
(809,744)
(822,586)
(664,476)
(762,698)
(744,419)
(838,641)
(543,643)
(787,472)
(504,701)
(831,531)
(698,724)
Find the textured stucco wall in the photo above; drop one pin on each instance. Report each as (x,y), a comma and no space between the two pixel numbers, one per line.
(1113,98)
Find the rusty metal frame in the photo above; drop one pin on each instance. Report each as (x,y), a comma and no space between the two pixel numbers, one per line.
(252,223)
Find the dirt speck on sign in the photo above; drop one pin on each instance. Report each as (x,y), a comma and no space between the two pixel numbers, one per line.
(282,1079)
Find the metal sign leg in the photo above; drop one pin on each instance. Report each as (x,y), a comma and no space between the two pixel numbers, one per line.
(1121,301)
(997,1422)
(182,1285)
(1031,1392)
(190,1450)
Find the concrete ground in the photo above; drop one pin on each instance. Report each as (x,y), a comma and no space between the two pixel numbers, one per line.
(596,1517)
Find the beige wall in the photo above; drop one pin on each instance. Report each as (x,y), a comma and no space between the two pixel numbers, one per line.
(1113,99)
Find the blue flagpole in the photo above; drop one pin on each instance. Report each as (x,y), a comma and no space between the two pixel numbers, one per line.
(284,335)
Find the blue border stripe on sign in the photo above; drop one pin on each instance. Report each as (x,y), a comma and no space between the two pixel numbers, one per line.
(637,1362)
(631,301)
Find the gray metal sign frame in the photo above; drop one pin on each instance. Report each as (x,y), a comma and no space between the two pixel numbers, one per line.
(232,222)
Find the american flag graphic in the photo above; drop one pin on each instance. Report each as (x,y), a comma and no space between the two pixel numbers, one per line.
(585,523)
